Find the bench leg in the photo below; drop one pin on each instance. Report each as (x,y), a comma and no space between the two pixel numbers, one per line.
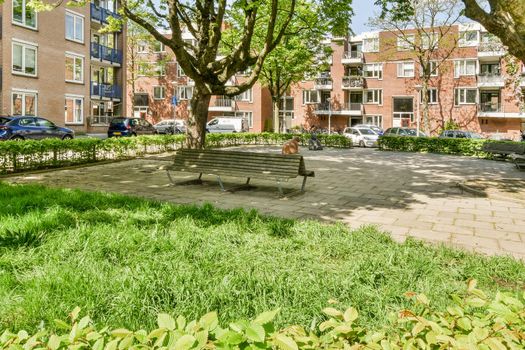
(304,183)
(247,181)
(280,187)
(221,184)
(189,182)
(169,177)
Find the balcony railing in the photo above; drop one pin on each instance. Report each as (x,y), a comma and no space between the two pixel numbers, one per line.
(105,53)
(353,82)
(353,55)
(490,107)
(323,83)
(491,46)
(106,90)
(491,78)
(101,14)
(224,102)
(337,108)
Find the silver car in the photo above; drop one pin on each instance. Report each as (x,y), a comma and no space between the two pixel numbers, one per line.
(171,126)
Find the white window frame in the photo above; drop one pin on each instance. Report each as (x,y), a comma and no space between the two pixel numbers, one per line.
(184,92)
(162,90)
(457,99)
(74,98)
(436,69)
(142,47)
(467,43)
(406,42)
(160,70)
(377,97)
(23,23)
(460,67)
(402,70)
(307,97)
(248,115)
(24,92)
(75,56)
(433,96)
(246,96)
(375,119)
(370,45)
(25,45)
(162,48)
(377,71)
(76,16)
(429,38)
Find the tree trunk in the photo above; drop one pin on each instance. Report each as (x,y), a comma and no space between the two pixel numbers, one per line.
(196,130)
(426,117)
(276,124)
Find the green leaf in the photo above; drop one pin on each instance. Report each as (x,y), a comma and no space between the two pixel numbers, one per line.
(54,342)
(266,317)
(495,344)
(330,311)
(285,343)
(350,315)
(185,342)
(209,321)
(112,345)
(120,333)
(475,302)
(99,344)
(83,322)
(74,313)
(465,323)
(166,321)
(255,332)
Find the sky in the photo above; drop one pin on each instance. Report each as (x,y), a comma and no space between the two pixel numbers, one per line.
(363,10)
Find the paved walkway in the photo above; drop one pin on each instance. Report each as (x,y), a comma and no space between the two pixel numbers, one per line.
(406,194)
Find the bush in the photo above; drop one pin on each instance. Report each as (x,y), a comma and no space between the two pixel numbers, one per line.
(472,321)
(52,153)
(465,147)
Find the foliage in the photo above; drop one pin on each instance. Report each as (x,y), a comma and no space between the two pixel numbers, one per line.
(125,259)
(52,153)
(451,125)
(465,147)
(472,321)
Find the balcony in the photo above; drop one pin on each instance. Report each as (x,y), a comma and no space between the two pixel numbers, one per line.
(499,110)
(100,14)
(222,104)
(491,49)
(106,54)
(352,57)
(353,82)
(323,84)
(349,109)
(490,80)
(106,91)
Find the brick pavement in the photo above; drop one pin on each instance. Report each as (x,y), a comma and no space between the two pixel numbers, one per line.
(406,194)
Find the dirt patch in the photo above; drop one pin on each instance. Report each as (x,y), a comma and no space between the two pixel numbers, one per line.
(512,189)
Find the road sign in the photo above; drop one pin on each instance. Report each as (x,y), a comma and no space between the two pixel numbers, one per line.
(174,100)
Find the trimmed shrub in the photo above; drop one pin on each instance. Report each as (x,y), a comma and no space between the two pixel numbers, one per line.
(472,321)
(18,156)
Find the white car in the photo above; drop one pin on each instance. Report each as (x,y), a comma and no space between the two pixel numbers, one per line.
(171,126)
(363,137)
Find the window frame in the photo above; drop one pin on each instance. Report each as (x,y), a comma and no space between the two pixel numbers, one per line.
(74,98)
(23,23)
(376,73)
(25,45)
(248,115)
(404,43)
(75,56)
(163,94)
(75,16)
(463,43)
(308,93)
(377,97)
(462,63)
(401,69)
(24,93)
(184,88)
(242,96)
(432,100)
(370,48)
(457,97)
(428,38)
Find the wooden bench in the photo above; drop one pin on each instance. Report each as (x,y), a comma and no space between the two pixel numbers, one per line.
(502,150)
(249,165)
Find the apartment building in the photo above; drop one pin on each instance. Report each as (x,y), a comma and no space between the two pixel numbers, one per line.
(56,64)
(375,79)
(163,91)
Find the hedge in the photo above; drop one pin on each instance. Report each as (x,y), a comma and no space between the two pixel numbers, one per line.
(26,155)
(472,321)
(465,147)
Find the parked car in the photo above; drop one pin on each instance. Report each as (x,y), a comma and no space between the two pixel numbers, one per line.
(32,128)
(403,132)
(122,126)
(364,137)
(171,126)
(460,134)
(374,128)
(227,124)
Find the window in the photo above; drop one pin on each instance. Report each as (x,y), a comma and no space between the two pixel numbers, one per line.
(373,70)
(310,96)
(464,67)
(24,59)
(429,41)
(433,67)
(468,38)
(376,120)
(23,15)
(74,27)
(248,116)
(405,69)
(74,68)
(406,42)
(158,47)
(371,45)
(185,92)
(180,72)
(160,69)
(374,96)
(143,69)
(142,47)
(159,93)
(24,103)
(245,96)
(74,113)
(465,96)
(432,95)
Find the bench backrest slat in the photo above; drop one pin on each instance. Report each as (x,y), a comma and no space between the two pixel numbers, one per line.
(506,148)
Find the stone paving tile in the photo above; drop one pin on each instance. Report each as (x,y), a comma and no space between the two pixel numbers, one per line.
(406,194)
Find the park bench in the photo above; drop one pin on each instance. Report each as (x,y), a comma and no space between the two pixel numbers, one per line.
(269,166)
(502,150)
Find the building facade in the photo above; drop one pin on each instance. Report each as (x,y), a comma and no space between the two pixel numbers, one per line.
(56,64)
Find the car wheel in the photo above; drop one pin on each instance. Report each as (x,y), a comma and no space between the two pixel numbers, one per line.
(17,138)
(362,144)
(67,137)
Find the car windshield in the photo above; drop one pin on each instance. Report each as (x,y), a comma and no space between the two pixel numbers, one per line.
(118,121)
(366,132)
(4,120)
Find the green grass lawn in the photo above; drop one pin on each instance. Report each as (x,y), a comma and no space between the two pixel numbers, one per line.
(125,259)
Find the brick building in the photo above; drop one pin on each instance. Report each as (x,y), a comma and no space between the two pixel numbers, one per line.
(55,64)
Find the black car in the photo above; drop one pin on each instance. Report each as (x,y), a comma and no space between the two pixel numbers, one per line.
(403,132)
(31,128)
(130,127)
(460,134)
